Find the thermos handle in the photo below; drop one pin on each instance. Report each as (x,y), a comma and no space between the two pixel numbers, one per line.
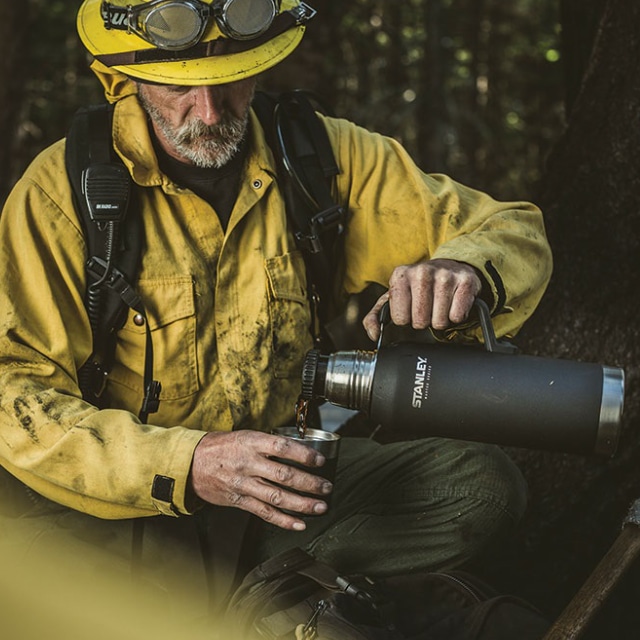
(491,343)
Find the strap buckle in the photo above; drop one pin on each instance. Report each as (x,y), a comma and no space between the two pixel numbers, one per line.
(96,376)
(115,280)
(326,220)
(151,402)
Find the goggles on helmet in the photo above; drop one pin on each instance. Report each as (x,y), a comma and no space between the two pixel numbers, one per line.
(180,24)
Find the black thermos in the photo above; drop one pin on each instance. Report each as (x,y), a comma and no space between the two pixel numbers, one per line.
(491,394)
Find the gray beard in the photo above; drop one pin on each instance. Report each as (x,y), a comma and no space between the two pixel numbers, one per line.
(204,146)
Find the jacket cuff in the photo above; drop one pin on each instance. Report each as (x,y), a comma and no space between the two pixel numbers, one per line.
(493,291)
(170,493)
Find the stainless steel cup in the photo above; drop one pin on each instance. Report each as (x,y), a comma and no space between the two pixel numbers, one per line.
(326,442)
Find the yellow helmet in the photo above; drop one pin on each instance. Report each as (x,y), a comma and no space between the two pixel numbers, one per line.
(192,42)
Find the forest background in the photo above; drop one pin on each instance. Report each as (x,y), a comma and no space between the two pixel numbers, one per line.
(526,99)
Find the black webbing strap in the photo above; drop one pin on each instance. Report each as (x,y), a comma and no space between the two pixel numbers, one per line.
(111,278)
(114,249)
(306,170)
(309,162)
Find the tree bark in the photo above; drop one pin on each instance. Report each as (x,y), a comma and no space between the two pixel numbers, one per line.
(580,21)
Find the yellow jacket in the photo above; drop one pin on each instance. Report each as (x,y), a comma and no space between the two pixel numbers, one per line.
(228,311)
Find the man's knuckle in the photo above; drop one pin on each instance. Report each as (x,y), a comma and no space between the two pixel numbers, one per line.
(280,446)
(275,497)
(399,273)
(444,277)
(266,513)
(284,473)
(236,482)
(235,499)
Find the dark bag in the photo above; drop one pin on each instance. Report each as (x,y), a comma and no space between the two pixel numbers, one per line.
(455,605)
(294,597)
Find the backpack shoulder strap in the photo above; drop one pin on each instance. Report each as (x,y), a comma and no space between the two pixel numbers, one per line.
(102,191)
(306,171)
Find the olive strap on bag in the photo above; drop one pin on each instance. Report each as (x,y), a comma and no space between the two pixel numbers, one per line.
(102,193)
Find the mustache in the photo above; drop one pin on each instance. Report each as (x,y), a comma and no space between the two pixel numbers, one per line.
(191,131)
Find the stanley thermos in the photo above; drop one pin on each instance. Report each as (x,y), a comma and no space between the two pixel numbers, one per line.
(491,394)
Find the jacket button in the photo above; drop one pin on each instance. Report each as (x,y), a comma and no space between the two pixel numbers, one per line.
(138,320)
(257,184)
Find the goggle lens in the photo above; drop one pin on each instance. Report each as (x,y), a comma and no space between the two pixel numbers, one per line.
(244,19)
(174,25)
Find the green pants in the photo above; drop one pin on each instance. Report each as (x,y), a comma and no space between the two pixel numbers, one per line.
(406,506)
(398,507)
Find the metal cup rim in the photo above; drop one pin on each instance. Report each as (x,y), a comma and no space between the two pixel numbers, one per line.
(310,434)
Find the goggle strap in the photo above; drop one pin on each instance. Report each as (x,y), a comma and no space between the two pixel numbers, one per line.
(219,47)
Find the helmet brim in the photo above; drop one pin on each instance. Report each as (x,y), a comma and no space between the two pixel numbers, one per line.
(217,69)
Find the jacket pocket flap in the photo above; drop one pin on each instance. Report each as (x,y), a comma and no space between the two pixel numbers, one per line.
(284,274)
(165,301)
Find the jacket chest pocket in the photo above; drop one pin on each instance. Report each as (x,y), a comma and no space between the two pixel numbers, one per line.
(170,308)
(289,314)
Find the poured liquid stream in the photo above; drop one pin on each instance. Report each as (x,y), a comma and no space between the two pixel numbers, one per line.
(302,408)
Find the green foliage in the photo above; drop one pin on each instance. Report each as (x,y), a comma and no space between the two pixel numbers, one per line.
(473,88)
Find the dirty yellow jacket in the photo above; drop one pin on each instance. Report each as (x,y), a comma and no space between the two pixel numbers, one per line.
(228,310)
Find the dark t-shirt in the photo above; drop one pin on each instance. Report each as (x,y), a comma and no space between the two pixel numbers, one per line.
(219,187)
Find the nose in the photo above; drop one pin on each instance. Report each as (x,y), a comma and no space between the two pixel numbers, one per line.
(208,104)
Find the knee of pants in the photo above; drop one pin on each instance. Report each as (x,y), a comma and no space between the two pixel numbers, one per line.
(476,496)
(505,481)
(491,490)
(473,493)
(441,468)
(480,471)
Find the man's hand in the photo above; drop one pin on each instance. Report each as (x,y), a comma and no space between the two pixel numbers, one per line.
(236,469)
(434,293)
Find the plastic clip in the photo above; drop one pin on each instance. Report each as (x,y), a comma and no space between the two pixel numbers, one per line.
(115,280)
(151,402)
(320,223)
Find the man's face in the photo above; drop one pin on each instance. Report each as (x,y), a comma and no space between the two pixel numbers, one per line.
(201,125)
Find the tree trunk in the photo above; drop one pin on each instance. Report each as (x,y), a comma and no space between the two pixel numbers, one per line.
(579,27)
(591,199)
(13,22)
